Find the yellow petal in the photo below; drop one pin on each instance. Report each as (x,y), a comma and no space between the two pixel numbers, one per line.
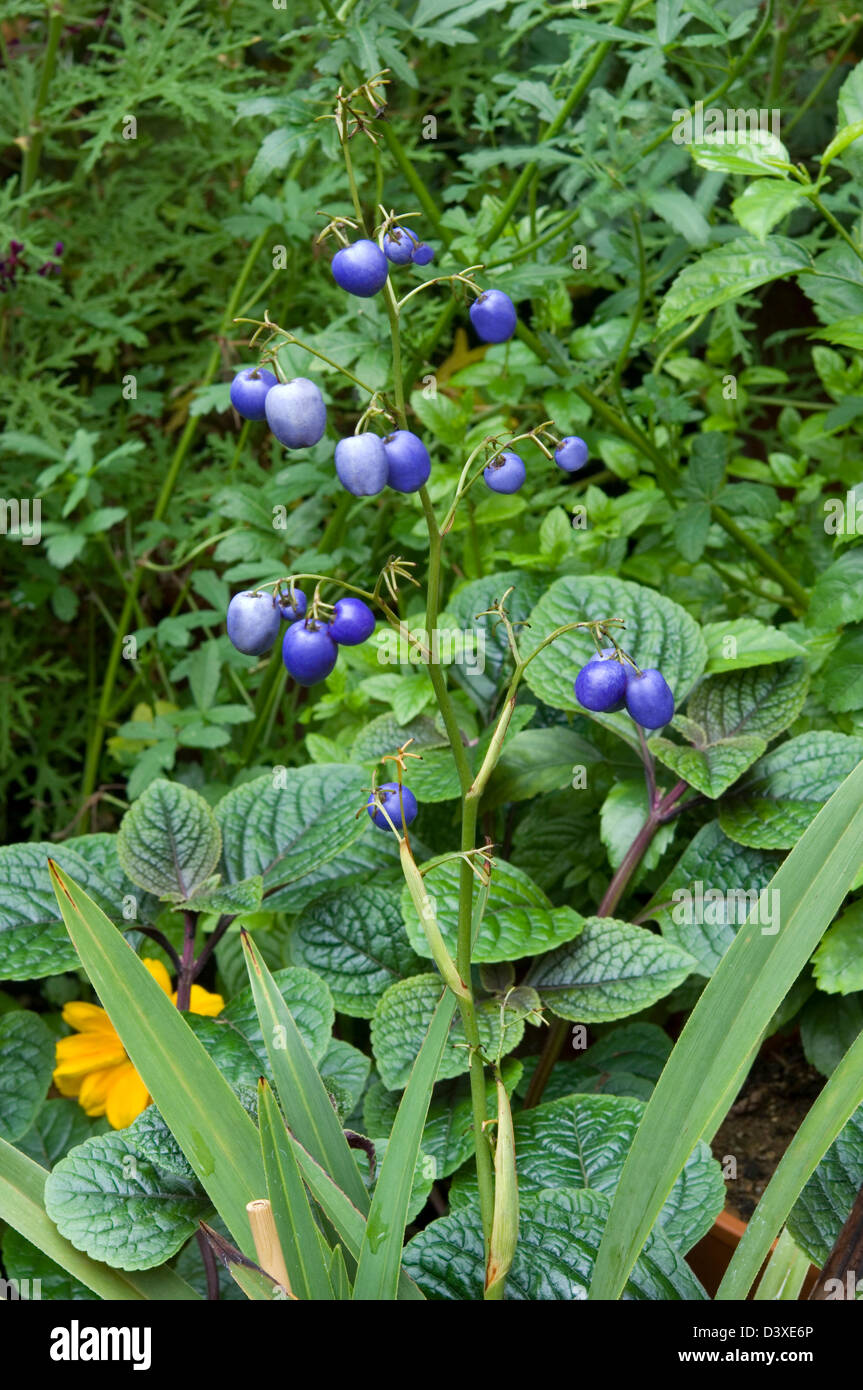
(201,1001)
(127,1097)
(68,1085)
(87,1018)
(85,1052)
(159,973)
(93,1094)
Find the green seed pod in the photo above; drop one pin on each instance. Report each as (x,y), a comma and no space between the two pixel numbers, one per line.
(422,902)
(504,1230)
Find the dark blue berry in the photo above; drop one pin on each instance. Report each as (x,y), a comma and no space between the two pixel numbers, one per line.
(309,652)
(648,698)
(360,268)
(401,809)
(408,462)
(249,391)
(352,622)
(399,246)
(296,413)
(601,685)
(505,473)
(493,316)
(253,621)
(423,254)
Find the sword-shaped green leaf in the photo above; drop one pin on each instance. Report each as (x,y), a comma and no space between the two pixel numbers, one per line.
(302,1245)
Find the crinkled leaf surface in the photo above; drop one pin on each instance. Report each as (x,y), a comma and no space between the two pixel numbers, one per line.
(786,789)
(26,1065)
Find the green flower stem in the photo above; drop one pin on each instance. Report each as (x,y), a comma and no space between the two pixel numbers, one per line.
(853,31)
(395,336)
(413,179)
(588,73)
(764,560)
(291,340)
(36,134)
(835,224)
(97,734)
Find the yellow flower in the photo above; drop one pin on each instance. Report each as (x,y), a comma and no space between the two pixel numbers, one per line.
(92,1062)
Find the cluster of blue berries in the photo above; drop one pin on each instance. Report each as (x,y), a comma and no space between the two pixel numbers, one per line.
(608,684)
(506,472)
(362,267)
(310,646)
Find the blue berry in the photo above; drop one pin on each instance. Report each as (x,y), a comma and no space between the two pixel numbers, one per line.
(249,392)
(505,473)
(423,254)
(296,413)
(361,464)
(493,316)
(387,795)
(408,462)
(352,622)
(308,651)
(571,454)
(648,698)
(253,621)
(360,268)
(291,611)
(601,684)
(399,246)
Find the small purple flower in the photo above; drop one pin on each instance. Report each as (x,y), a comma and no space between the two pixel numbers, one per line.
(58,249)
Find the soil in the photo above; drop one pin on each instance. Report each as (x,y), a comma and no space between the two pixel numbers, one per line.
(764,1119)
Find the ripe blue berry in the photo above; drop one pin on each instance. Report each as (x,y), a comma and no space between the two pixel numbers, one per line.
(401,809)
(253,621)
(249,392)
(408,462)
(648,698)
(423,254)
(308,651)
(601,684)
(399,246)
(291,611)
(493,316)
(361,464)
(296,413)
(505,473)
(360,268)
(352,622)
(571,454)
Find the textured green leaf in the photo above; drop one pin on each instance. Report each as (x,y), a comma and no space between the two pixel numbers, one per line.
(742,642)
(535,761)
(611,970)
(743,151)
(168,842)
(825,1203)
(843,677)
(829,1027)
(658,633)
(625,1061)
(111,1203)
(709,893)
(355,939)
(623,813)
(435,778)
(785,790)
(728,273)
(300,833)
(763,204)
(233,898)
(581,1141)
(346,1068)
(481,676)
(837,597)
(761,700)
(25,1263)
(149,1136)
(838,962)
(402,1020)
(33,940)
(713,767)
(559,1235)
(57,1128)
(519,920)
(384,734)
(26,1065)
